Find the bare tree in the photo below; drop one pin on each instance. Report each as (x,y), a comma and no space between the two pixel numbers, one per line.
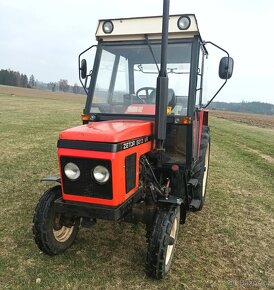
(32,81)
(76,89)
(63,85)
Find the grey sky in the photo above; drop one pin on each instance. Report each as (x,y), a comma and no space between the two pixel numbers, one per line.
(44,38)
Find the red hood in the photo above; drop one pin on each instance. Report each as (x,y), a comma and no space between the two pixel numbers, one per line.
(109,131)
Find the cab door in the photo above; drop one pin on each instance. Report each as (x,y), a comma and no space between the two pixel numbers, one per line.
(198,111)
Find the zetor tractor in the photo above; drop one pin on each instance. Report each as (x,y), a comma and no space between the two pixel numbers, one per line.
(142,153)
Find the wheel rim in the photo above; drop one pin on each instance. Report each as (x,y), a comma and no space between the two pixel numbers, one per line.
(205,171)
(61,232)
(173,233)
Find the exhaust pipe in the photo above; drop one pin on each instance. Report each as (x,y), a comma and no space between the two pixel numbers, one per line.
(162,83)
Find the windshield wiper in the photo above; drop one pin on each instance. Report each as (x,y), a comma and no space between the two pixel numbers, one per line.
(152,53)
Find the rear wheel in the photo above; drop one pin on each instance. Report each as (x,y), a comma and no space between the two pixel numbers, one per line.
(162,240)
(202,168)
(53,232)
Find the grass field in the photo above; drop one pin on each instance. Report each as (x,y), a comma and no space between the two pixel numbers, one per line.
(228,245)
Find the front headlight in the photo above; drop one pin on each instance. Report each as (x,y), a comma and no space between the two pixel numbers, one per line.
(72,171)
(101,174)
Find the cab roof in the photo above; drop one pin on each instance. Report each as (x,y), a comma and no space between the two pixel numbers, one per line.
(140,27)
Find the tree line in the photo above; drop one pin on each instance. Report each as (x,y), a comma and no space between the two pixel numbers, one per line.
(244,107)
(14,78)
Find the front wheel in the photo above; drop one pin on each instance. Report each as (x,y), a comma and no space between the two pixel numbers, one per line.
(162,240)
(53,232)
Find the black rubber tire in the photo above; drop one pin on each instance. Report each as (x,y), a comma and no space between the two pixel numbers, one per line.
(43,225)
(167,221)
(202,167)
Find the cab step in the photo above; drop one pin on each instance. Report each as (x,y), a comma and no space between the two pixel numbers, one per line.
(194,204)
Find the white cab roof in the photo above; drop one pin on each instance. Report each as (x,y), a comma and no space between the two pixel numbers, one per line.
(137,28)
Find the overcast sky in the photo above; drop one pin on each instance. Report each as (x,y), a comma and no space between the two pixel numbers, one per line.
(44,38)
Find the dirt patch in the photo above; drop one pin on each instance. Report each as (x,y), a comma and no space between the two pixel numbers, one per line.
(262,121)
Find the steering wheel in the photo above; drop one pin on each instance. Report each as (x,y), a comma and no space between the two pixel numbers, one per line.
(148,91)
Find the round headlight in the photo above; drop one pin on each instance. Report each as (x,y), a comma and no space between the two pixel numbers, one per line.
(108,27)
(72,171)
(183,22)
(101,174)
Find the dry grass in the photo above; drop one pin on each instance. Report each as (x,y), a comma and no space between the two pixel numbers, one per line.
(228,245)
(16,91)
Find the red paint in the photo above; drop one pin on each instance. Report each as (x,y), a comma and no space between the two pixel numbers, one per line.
(109,131)
(194,134)
(203,121)
(201,117)
(144,109)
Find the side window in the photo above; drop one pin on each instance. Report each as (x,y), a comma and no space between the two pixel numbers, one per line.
(204,92)
(199,88)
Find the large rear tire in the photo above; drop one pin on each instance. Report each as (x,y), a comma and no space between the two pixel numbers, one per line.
(162,240)
(53,232)
(202,168)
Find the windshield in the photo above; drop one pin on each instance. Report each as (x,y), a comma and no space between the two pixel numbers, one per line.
(127,74)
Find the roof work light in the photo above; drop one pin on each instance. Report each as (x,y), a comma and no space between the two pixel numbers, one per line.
(183,22)
(108,26)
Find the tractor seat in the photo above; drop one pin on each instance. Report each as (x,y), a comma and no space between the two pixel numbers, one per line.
(171,98)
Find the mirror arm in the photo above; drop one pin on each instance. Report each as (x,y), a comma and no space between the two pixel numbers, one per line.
(79,67)
(86,80)
(212,43)
(215,95)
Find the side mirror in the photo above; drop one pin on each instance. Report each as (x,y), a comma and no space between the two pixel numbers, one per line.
(226,68)
(83,68)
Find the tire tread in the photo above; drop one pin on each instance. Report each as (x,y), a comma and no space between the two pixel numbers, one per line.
(158,240)
(40,227)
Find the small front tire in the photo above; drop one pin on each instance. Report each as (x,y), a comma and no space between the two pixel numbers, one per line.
(53,232)
(163,237)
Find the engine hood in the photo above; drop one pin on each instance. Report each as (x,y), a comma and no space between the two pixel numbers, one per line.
(113,131)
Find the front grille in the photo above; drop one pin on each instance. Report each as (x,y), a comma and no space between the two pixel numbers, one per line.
(130,172)
(86,185)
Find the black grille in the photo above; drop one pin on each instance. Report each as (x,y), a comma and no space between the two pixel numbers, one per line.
(130,172)
(86,185)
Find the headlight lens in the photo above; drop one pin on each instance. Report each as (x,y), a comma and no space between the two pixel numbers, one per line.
(108,27)
(72,171)
(183,22)
(101,174)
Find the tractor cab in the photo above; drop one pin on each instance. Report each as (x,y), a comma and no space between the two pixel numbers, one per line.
(124,77)
(142,152)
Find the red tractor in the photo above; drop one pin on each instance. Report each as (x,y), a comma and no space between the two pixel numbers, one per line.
(142,153)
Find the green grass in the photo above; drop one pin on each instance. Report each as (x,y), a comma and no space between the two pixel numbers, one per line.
(228,245)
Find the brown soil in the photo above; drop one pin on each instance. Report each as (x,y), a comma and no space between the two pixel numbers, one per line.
(263,121)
